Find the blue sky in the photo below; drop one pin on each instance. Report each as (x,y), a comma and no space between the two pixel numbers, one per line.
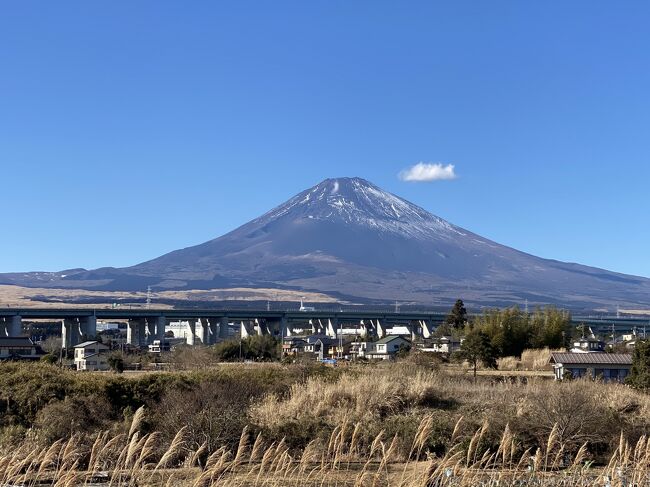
(129,129)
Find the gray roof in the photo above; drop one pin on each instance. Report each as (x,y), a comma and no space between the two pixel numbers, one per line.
(16,342)
(87,344)
(390,338)
(591,358)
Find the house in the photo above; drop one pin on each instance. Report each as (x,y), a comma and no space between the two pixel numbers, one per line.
(293,346)
(18,348)
(322,348)
(614,367)
(387,347)
(91,355)
(445,344)
(588,345)
(166,345)
(314,342)
(341,348)
(361,349)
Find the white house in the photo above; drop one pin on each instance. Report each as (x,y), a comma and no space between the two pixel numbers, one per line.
(588,345)
(387,347)
(91,356)
(444,344)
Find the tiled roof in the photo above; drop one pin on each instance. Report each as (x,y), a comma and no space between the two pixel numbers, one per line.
(16,342)
(592,358)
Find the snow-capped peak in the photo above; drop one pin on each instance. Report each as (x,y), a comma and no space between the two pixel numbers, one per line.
(356,201)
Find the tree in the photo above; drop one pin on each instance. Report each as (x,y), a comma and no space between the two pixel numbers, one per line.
(116,362)
(639,377)
(477,348)
(52,345)
(256,347)
(551,327)
(457,317)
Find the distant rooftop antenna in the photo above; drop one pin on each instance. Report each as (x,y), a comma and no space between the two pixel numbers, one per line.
(148,296)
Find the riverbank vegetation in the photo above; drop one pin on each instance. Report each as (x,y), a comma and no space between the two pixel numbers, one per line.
(246,424)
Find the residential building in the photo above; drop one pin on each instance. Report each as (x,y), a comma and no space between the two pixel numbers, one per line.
(314,342)
(588,345)
(613,367)
(387,347)
(293,345)
(445,344)
(361,349)
(91,355)
(18,348)
(341,348)
(158,346)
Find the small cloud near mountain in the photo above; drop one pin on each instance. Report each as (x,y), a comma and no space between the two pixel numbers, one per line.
(427,172)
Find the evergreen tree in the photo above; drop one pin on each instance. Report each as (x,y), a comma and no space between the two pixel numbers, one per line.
(116,362)
(477,348)
(457,317)
(639,377)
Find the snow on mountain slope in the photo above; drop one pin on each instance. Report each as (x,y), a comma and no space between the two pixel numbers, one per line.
(355,201)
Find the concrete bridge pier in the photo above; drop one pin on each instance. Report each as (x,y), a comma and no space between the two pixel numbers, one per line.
(208,331)
(416,331)
(363,330)
(245,329)
(204,333)
(88,327)
(214,330)
(70,333)
(161,325)
(135,332)
(223,328)
(151,330)
(14,326)
(285,328)
(191,332)
(427,328)
(319,327)
(259,327)
(332,328)
(380,329)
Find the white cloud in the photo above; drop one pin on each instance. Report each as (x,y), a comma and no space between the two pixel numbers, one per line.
(425,172)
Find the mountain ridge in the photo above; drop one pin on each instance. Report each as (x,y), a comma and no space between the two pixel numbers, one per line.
(348,237)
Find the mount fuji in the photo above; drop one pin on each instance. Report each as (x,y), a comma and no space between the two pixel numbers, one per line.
(350,239)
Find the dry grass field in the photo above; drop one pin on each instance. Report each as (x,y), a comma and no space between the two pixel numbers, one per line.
(137,459)
(397,425)
(22,297)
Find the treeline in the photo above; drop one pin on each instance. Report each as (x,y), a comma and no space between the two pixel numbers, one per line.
(511,330)
(507,332)
(260,348)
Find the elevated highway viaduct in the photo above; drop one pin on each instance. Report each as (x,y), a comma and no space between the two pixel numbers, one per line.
(146,325)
